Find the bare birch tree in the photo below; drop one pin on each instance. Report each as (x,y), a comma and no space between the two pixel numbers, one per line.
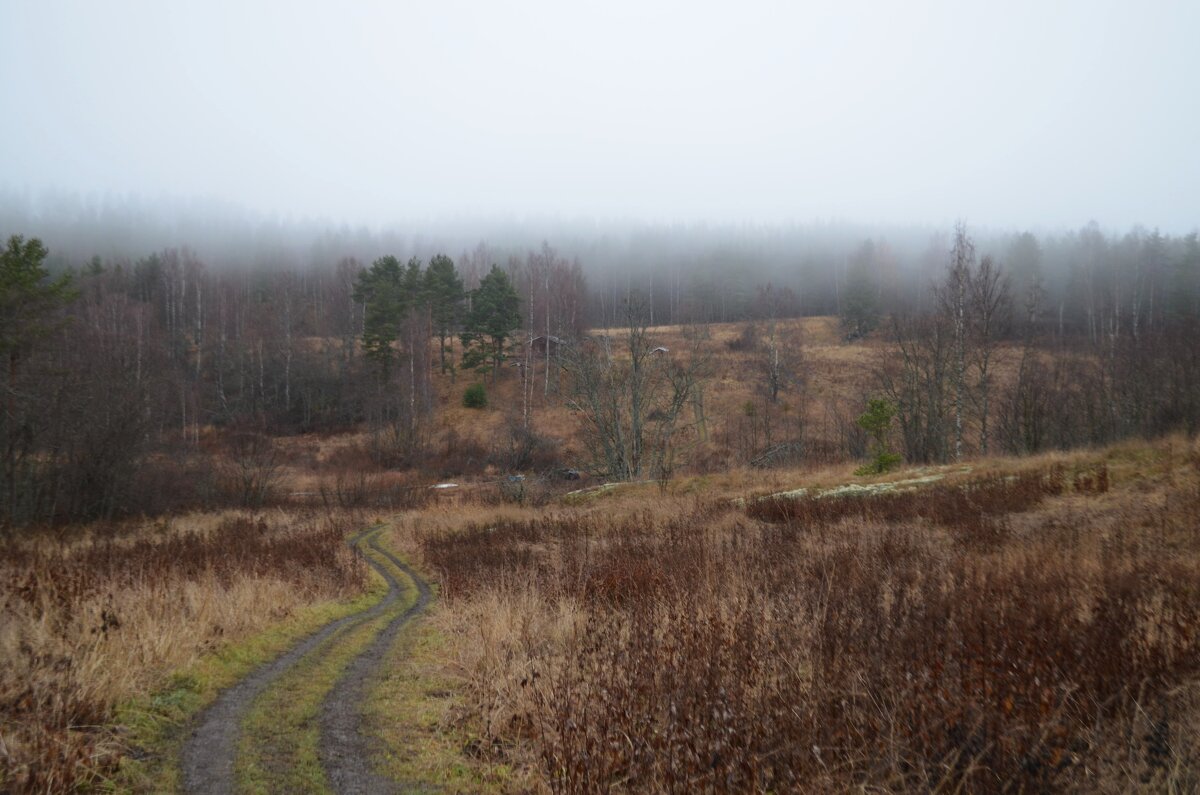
(953,299)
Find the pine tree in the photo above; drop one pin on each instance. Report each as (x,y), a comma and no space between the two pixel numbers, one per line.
(28,304)
(27,300)
(495,315)
(378,290)
(386,292)
(877,422)
(444,290)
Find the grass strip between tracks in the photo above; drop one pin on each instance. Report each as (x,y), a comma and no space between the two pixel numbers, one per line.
(278,749)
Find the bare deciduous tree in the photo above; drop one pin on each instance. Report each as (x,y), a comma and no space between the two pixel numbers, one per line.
(953,299)
(630,399)
(252,468)
(990,313)
(916,378)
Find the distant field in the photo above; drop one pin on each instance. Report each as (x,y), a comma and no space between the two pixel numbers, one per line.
(836,376)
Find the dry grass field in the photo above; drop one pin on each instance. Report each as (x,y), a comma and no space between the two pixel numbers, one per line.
(997,625)
(89,625)
(1010,626)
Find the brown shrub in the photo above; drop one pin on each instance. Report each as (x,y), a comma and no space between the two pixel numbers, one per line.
(846,643)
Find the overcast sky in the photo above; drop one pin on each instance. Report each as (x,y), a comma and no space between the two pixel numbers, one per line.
(1025,114)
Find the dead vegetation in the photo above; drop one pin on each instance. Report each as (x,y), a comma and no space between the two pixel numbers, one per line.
(88,624)
(1030,627)
(1024,624)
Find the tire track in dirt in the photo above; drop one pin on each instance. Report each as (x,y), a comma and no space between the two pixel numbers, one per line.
(344,749)
(210,751)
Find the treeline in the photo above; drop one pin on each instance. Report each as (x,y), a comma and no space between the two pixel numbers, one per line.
(1083,274)
(990,365)
(1037,344)
(116,373)
(688,273)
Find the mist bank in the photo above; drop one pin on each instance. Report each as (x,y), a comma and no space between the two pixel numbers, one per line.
(690,272)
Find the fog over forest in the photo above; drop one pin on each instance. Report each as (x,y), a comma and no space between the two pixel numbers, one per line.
(1015,116)
(668,149)
(714,268)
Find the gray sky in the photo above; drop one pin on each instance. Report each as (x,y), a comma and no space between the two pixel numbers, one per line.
(1042,114)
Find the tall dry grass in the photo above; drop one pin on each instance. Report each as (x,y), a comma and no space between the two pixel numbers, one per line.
(87,624)
(1033,630)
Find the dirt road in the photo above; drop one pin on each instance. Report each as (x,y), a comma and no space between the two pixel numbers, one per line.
(210,751)
(344,750)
